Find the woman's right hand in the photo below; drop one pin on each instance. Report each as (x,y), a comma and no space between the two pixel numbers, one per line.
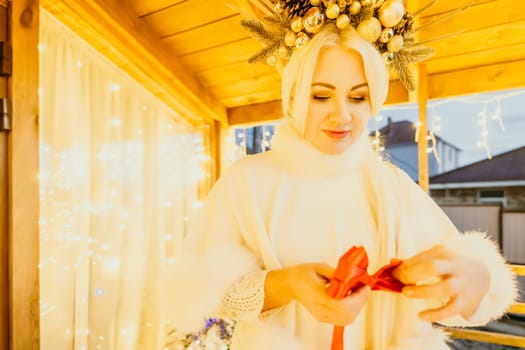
(306,284)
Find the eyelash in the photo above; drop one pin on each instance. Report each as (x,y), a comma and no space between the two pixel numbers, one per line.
(351,98)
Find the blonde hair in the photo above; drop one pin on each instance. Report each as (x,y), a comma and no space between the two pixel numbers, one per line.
(298,73)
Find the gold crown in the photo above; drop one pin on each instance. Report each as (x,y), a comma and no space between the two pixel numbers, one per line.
(284,25)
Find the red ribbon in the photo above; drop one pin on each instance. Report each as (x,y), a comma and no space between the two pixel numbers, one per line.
(351,274)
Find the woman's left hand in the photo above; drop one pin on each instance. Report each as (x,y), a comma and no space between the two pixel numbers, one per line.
(461,280)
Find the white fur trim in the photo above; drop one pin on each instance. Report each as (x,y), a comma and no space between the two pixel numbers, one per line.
(503,285)
(197,284)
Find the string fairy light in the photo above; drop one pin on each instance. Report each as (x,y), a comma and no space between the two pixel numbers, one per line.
(482,119)
(432,135)
(497,114)
(376,140)
(484,132)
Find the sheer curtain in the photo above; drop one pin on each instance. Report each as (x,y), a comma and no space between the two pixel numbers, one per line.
(119,178)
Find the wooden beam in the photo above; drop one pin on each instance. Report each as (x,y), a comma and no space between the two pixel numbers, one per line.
(518,269)
(422,142)
(397,93)
(518,308)
(120,36)
(500,36)
(494,77)
(486,337)
(23,178)
(4,206)
(471,60)
(478,17)
(255,114)
(440,7)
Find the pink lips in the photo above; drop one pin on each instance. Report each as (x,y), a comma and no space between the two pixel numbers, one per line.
(336,134)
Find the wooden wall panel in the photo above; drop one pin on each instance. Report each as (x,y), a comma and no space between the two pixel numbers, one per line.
(476,59)
(235,71)
(485,39)
(148,7)
(4,208)
(252,98)
(444,6)
(187,15)
(264,83)
(477,17)
(223,55)
(23,179)
(208,36)
(476,80)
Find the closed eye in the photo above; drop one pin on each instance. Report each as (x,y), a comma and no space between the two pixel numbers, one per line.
(320,97)
(357,98)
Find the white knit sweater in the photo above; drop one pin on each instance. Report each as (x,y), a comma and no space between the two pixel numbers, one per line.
(294,205)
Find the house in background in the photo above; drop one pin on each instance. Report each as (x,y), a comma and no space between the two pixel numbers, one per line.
(498,180)
(398,138)
(488,195)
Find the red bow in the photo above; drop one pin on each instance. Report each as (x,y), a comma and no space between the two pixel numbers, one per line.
(351,274)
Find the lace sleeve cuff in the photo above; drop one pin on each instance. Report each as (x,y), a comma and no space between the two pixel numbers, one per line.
(245,299)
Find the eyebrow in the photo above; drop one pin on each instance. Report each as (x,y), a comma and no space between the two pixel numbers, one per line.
(330,86)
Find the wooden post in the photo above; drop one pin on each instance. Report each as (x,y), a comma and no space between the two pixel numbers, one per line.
(4,200)
(422,142)
(23,152)
(420,95)
(216,144)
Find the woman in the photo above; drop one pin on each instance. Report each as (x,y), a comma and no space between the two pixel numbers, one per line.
(267,240)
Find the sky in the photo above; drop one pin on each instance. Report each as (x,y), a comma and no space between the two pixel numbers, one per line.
(458,122)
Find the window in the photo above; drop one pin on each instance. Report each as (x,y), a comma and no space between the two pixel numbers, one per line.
(491,196)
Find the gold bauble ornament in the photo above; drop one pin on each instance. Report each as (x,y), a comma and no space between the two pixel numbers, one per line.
(388,57)
(341,4)
(283,52)
(327,3)
(386,35)
(355,8)
(315,2)
(271,60)
(296,24)
(332,11)
(391,12)
(395,44)
(289,39)
(342,21)
(302,38)
(367,2)
(313,20)
(370,29)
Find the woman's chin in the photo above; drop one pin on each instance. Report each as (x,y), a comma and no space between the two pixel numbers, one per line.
(335,148)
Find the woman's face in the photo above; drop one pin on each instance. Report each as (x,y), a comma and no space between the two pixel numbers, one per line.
(339,103)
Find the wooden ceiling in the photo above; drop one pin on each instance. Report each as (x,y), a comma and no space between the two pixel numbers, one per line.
(203,51)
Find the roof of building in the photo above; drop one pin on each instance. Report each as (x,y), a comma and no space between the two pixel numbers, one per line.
(401,132)
(508,166)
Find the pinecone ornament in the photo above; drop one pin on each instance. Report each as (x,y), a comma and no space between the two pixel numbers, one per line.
(296,7)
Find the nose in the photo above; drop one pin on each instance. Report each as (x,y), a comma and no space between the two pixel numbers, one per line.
(342,112)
